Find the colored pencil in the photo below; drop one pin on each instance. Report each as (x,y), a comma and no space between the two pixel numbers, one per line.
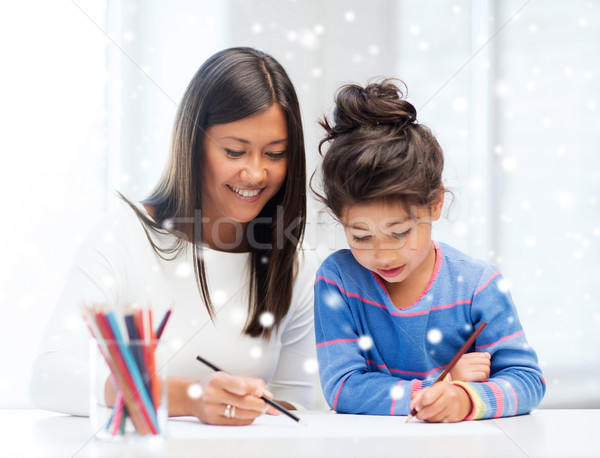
(272,403)
(163,323)
(133,409)
(454,360)
(133,372)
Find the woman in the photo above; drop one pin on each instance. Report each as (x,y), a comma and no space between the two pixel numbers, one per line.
(219,239)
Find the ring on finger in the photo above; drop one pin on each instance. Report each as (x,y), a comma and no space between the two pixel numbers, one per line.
(229,411)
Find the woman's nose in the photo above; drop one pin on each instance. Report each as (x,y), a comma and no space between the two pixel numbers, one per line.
(254,172)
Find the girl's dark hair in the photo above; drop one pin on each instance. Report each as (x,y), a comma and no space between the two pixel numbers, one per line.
(231,85)
(377,150)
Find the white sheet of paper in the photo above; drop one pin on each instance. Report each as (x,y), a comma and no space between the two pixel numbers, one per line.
(328,424)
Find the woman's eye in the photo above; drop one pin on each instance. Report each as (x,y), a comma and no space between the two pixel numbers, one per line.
(400,235)
(233,153)
(361,239)
(276,155)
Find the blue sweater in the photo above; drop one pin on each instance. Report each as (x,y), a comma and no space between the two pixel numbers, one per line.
(372,356)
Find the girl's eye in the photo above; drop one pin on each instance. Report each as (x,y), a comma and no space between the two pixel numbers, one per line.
(276,155)
(361,239)
(233,153)
(400,235)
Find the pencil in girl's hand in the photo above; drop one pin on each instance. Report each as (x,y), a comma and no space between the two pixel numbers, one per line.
(454,360)
(272,403)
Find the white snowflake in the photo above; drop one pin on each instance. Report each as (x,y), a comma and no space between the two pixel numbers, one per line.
(194,391)
(333,300)
(434,336)
(256,352)
(365,343)
(311,366)
(503,285)
(266,319)
(219,297)
(183,270)
(397,392)
(509,164)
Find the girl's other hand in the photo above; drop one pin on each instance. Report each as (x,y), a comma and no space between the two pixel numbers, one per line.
(472,367)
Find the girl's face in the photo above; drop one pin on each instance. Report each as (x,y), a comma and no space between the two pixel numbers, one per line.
(388,240)
(245,164)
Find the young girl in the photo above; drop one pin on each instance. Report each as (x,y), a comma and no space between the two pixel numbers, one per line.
(391,312)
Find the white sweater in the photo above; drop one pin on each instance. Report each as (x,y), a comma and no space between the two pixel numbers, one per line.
(117,266)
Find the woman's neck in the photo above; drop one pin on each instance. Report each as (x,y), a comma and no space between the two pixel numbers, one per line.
(226,236)
(230,236)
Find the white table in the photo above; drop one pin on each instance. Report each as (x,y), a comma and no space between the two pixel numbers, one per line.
(544,433)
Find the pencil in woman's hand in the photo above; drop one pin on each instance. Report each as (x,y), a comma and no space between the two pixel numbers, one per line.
(454,360)
(272,403)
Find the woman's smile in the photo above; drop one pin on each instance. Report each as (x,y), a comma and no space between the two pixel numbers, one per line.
(247,195)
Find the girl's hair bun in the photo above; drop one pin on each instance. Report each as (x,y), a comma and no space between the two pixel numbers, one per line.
(376,104)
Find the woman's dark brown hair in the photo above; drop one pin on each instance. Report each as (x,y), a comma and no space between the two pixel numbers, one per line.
(377,150)
(231,85)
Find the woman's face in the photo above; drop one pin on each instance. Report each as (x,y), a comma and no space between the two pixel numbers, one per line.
(245,164)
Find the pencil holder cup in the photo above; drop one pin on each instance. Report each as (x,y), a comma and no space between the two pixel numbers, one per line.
(131,376)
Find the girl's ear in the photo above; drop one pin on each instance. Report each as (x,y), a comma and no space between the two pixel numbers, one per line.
(436,208)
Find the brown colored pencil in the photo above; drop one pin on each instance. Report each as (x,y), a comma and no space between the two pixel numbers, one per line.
(454,360)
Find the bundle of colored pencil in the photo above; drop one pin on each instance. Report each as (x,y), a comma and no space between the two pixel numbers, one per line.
(132,364)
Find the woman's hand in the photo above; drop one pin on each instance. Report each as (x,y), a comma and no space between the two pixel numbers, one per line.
(441,402)
(472,367)
(207,399)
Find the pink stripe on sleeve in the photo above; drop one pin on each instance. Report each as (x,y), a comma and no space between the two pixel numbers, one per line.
(487,282)
(337,395)
(499,398)
(344,292)
(393,406)
(331,342)
(500,340)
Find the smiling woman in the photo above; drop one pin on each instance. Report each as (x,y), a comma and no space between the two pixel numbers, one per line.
(245,166)
(229,207)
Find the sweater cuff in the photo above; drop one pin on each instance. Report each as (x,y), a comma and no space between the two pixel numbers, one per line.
(478,408)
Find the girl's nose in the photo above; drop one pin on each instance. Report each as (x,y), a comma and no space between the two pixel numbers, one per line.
(384,254)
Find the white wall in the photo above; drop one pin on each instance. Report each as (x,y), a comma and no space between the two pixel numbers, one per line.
(510,88)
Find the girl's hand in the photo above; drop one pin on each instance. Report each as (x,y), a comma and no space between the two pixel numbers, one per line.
(441,402)
(221,389)
(472,367)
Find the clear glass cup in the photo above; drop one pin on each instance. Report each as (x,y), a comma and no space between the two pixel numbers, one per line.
(136,372)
